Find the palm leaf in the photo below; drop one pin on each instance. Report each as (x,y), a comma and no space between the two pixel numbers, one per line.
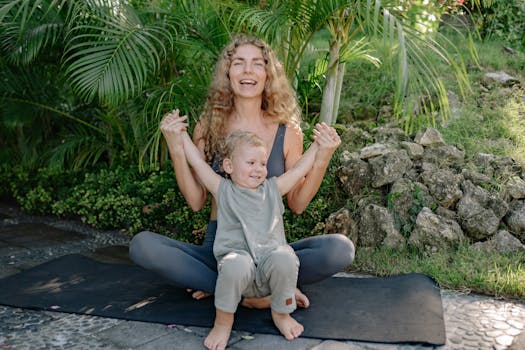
(111,58)
(27,27)
(79,148)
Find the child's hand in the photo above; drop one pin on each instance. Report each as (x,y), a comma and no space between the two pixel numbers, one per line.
(173,126)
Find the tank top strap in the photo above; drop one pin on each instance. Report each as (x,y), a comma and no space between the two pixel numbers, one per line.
(276,163)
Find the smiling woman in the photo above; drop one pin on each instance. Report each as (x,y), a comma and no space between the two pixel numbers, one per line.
(249,92)
(248,72)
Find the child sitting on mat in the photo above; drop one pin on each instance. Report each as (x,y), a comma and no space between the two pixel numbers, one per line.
(250,246)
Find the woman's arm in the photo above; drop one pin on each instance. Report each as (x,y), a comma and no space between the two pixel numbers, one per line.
(328,141)
(187,181)
(287,181)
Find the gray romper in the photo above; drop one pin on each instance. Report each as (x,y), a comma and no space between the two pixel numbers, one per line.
(250,247)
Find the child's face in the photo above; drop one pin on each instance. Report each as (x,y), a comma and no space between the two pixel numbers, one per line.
(247,166)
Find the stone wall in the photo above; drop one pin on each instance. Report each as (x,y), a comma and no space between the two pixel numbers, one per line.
(422,192)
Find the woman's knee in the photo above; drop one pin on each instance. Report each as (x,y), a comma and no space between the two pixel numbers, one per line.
(339,249)
(140,246)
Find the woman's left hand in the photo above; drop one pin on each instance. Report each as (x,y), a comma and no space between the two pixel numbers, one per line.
(328,141)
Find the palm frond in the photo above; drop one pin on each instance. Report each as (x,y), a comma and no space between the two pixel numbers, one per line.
(111,58)
(78,148)
(420,90)
(27,27)
(186,93)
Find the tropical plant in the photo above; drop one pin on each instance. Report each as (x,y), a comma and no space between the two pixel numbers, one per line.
(99,63)
(86,81)
(500,20)
(355,27)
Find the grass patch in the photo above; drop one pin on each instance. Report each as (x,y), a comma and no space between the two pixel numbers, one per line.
(500,125)
(497,112)
(462,269)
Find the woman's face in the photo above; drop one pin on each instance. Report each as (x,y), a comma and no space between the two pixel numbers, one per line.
(247,72)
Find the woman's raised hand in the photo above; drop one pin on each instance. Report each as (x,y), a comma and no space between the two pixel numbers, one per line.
(328,141)
(172,127)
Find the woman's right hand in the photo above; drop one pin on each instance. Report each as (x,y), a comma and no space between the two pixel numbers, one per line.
(172,126)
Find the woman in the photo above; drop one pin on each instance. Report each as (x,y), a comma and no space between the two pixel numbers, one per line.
(249,92)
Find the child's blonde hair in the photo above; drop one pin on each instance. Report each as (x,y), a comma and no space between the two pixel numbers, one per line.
(239,138)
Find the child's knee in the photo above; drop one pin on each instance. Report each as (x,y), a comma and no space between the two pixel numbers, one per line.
(236,266)
(284,260)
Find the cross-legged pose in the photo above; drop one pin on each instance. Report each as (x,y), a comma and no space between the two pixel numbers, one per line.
(249,92)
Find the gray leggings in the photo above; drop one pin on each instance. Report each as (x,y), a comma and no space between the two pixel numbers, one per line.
(194,266)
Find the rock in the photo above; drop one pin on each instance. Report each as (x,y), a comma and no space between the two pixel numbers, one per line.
(376,228)
(429,137)
(444,156)
(389,167)
(500,78)
(502,242)
(405,176)
(341,222)
(405,200)
(389,135)
(515,219)
(443,186)
(354,173)
(511,51)
(475,177)
(434,232)
(374,150)
(353,138)
(479,212)
(446,213)
(414,150)
(516,187)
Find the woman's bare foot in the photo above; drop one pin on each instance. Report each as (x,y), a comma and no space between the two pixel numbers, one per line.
(198,294)
(266,302)
(301,299)
(218,337)
(257,303)
(287,325)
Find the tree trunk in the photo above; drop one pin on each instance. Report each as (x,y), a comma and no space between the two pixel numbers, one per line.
(338,88)
(330,89)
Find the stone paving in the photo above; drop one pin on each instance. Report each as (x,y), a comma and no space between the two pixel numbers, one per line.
(472,321)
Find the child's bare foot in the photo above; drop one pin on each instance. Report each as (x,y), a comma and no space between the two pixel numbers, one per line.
(198,294)
(287,325)
(218,337)
(266,302)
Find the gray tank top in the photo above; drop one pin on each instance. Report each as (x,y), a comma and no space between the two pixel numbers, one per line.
(276,163)
(249,220)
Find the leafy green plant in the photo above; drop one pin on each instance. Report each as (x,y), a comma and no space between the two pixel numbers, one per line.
(501,21)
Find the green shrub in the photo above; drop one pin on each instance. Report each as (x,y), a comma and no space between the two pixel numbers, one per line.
(502,21)
(124,198)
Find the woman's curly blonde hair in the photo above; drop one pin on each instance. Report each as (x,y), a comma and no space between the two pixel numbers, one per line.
(278,102)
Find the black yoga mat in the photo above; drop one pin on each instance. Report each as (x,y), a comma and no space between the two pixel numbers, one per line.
(405,308)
